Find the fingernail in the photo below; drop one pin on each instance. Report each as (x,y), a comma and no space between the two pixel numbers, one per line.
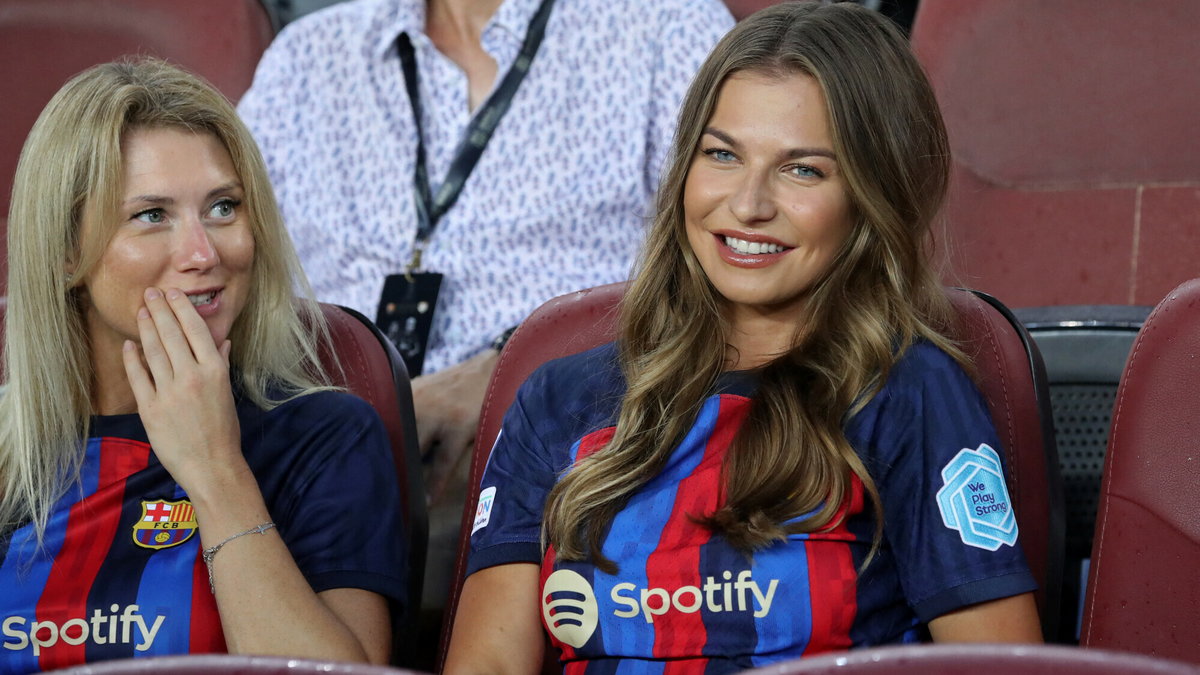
(153,293)
(174,294)
(128,346)
(143,313)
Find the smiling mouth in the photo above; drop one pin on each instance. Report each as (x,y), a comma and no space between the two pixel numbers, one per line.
(743,247)
(201,299)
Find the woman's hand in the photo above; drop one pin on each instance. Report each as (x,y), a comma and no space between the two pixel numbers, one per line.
(186,404)
(183,393)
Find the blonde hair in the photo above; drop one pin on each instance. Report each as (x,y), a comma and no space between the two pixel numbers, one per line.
(791,456)
(70,169)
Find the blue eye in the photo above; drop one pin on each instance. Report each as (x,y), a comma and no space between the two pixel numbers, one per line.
(223,208)
(803,171)
(720,154)
(151,216)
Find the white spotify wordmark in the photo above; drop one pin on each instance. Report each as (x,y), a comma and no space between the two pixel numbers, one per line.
(569,607)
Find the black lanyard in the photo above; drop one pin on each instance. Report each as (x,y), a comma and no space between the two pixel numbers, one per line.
(430,207)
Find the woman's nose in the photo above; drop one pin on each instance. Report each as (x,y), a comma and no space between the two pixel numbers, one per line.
(752,200)
(195,249)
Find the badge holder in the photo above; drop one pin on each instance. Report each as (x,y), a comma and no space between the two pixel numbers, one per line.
(406,312)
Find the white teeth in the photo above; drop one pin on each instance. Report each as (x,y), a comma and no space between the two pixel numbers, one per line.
(203,298)
(751,248)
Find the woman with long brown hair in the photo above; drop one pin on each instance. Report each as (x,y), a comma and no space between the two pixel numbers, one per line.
(772,459)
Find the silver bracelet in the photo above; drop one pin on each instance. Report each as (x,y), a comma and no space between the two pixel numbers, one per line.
(209,553)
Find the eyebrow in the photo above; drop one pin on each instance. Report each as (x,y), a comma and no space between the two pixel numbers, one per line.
(165,201)
(791,153)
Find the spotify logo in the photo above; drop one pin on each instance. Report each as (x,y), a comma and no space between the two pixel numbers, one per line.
(569,608)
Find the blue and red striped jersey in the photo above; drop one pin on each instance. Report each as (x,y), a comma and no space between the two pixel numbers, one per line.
(119,573)
(684,598)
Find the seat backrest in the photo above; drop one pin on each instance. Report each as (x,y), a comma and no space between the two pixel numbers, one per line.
(1085,348)
(1142,593)
(1071,184)
(956,659)
(1012,377)
(368,366)
(1009,368)
(45,42)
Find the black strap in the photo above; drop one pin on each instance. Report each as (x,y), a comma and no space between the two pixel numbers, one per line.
(430,207)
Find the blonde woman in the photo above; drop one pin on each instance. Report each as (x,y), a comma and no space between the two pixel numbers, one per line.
(176,475)
(762,466)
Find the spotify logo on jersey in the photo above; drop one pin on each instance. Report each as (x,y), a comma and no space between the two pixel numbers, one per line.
(569,608)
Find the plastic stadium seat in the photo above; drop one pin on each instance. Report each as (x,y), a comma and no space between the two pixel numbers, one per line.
(961,658)
(371,368)
(1075,181)
(45,42)
(227,664)
(1142,594)
(1085,348)
(1008,364)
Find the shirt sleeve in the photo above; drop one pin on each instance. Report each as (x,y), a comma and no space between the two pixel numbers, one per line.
(937,463)
(341,517)
(519,476)
(686,32)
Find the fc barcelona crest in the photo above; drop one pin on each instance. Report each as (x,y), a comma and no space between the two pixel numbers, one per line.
(164,524)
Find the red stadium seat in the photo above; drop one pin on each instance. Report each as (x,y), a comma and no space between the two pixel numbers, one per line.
(371,368)
(1009,368)
(45,42)
(1075,178)
(964,658)
(1142,594)
(228,664)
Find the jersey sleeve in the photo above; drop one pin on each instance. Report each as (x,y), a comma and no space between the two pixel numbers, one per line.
(340,517)
(937,463)
(519,476)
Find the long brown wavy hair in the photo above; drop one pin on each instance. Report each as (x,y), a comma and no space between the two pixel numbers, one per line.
(879,295)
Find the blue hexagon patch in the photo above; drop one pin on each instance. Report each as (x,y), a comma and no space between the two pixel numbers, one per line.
(974,499)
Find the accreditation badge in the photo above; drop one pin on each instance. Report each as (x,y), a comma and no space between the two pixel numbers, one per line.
(406,314)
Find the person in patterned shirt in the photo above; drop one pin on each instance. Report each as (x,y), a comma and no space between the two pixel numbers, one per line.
(559,197)
(782,454)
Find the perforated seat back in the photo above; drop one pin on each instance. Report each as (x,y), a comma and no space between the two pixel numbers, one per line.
(1142,593)
(1084,348)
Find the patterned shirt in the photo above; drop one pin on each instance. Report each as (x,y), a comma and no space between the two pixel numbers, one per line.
(683,599)
(558,200)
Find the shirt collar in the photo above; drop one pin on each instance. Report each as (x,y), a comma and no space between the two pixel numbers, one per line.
(397,17)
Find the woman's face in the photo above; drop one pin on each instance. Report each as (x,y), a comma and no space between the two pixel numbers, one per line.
(182,225)
(765,204)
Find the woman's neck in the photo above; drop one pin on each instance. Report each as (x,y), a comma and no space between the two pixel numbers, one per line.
(111,393)
(756,339)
